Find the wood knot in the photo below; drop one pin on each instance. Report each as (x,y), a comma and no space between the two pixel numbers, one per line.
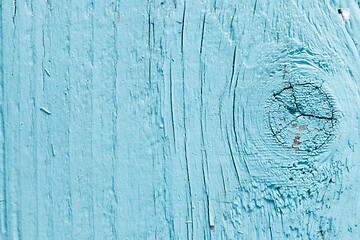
(302,117)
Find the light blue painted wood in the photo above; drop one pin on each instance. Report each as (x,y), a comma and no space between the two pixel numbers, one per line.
(179,120)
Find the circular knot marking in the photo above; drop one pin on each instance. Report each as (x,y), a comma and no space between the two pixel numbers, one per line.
(301,117)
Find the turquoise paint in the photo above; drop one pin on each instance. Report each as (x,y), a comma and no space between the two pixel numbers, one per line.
(173,120)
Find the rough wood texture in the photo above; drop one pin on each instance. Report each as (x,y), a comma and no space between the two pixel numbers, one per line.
(155,119)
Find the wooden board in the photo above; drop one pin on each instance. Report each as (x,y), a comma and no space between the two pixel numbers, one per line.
(156,119)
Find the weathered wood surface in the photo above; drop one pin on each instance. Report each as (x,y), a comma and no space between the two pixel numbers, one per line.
(213,119)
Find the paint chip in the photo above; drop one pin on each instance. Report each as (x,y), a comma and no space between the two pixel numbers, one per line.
(302,128)
(53,150)
(45,110)
(47,72)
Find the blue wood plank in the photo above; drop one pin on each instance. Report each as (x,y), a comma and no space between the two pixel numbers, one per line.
(179,120)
